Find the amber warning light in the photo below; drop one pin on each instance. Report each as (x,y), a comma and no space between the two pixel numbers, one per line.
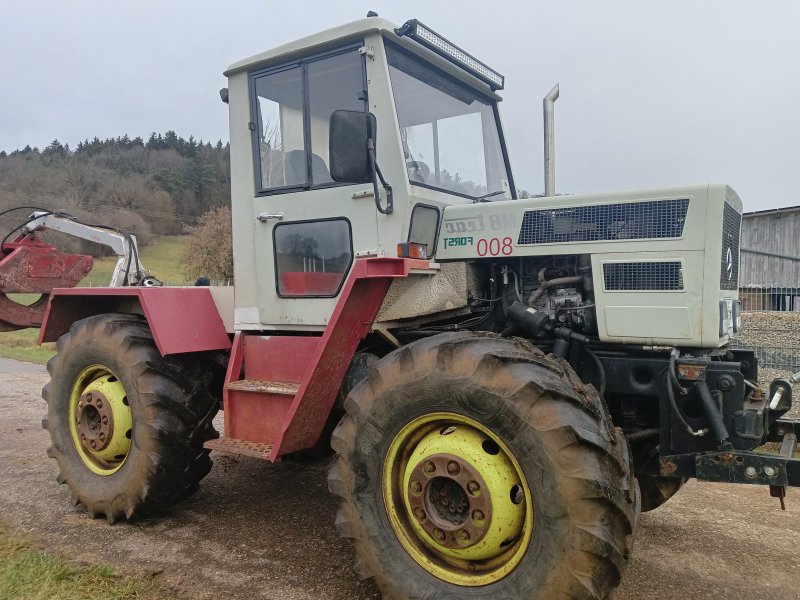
(412,250)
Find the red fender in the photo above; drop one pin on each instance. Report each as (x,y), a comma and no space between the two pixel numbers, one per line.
(182,319)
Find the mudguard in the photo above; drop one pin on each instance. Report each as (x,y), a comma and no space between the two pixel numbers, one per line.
(182,319)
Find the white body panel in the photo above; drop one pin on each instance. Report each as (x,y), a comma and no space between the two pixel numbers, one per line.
(686,317)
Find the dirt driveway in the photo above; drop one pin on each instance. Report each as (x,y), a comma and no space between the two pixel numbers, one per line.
(261,531)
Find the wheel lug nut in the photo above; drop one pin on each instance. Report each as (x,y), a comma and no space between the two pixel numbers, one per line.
(453,468)
(105,420)
(473,487)
(102,437)
(438,534)
(477,515)
(463,535)
(93,444)
(420,514)
(415,487)
(429,468)
(99,403)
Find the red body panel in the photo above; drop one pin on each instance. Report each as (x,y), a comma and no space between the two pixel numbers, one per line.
(181,319)
(278,358)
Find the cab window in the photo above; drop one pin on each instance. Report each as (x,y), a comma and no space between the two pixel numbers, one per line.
(292,106)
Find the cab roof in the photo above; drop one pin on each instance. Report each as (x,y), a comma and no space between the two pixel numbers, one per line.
(354,32)
(318,41)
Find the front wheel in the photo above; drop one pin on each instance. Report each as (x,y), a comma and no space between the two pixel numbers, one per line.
(127,425)
(473,466)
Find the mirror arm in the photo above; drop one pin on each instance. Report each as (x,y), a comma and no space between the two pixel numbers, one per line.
(388,188)
(376,174)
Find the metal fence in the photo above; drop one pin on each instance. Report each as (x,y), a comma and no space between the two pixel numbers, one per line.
(785,358)
(771,326)
(766,298)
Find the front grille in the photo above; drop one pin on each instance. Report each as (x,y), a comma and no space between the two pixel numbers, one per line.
(622,221)
(731,228)
(643,276)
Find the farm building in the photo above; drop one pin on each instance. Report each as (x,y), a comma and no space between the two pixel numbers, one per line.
(769,274)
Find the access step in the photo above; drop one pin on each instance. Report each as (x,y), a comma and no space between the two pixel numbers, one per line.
(263,387)
(242,447)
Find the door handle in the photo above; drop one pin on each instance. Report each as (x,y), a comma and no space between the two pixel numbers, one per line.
(264,217)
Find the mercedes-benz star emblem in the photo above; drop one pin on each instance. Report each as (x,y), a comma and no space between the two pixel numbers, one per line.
(729,263)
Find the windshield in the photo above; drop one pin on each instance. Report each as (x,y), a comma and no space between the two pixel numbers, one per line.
(449,131)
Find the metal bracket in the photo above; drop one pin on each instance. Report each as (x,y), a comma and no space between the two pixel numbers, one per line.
(367,51)
(742,467)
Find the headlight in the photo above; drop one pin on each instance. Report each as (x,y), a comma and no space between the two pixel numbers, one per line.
(432,40)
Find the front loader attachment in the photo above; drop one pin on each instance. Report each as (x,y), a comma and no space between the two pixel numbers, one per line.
(29,266)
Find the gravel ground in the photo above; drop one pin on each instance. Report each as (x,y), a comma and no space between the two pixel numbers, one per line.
(261,531)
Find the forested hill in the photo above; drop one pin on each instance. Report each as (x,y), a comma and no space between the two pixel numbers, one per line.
(152,187)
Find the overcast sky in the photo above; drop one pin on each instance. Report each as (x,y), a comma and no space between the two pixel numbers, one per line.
(652,93)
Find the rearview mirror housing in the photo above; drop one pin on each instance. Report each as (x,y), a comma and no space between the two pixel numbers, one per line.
(348,148)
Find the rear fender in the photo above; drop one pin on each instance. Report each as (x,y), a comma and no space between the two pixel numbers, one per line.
(182,319)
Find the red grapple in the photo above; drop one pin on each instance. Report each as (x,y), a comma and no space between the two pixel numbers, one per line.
(29,266)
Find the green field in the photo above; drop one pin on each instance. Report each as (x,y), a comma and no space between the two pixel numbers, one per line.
(161,258)
(30,574)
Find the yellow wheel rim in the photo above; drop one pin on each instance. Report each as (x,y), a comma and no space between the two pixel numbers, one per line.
(100,420)
(457,499)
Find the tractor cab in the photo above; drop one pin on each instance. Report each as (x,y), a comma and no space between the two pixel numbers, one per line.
(306,204)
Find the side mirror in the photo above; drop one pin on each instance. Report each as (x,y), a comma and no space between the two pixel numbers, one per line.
(348,148)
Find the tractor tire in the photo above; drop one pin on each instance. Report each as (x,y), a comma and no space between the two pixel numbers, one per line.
(656,490)
(475,466)
(127,425)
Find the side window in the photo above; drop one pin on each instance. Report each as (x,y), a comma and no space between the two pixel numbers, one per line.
(424,226)
(293,106)
(334,83)
(312,257)
(279,104)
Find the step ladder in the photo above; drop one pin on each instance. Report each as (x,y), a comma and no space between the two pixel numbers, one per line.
(279,403)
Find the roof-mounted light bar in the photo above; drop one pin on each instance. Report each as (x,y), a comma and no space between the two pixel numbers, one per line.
(432,40)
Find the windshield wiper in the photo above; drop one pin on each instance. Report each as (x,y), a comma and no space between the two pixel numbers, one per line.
(485,197)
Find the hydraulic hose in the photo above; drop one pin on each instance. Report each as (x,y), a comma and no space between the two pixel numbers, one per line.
(672,376)
(600,369)
(677,411)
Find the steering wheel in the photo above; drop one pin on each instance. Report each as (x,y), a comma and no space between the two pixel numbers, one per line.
(418,170)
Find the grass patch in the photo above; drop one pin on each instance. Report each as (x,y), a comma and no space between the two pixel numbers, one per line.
(30,574)
(161,258)
(21,345)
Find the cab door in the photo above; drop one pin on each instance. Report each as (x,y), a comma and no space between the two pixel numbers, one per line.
(308,228)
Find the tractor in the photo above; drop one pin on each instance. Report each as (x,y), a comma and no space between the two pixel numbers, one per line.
(506,382)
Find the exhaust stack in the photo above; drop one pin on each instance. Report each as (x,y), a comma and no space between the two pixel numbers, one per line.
(550,143)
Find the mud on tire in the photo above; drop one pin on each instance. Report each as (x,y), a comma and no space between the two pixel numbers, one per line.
(584,497)
(171,406)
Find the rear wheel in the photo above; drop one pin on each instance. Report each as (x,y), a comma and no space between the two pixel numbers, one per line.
(474,466)
(127,425)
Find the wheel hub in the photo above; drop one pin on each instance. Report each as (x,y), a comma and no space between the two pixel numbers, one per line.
(95,421)
(444,493)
